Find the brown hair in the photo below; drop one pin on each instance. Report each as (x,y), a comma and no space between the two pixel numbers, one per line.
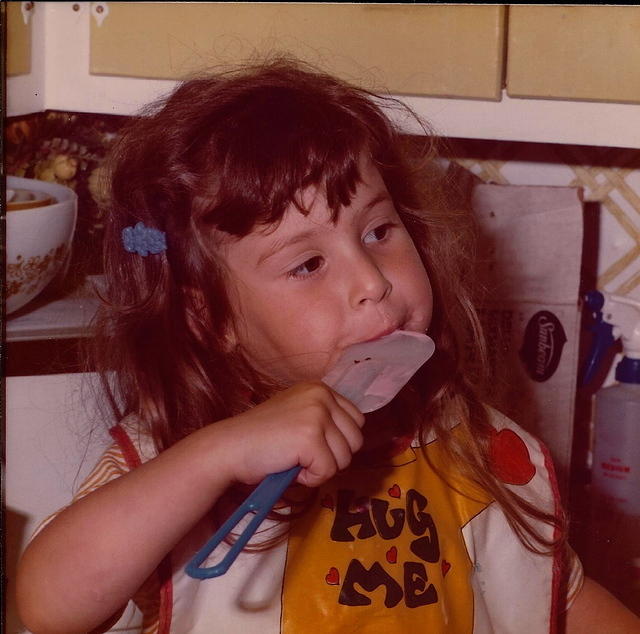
(231,151)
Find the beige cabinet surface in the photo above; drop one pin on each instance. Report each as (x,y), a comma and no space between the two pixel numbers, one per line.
(566,52)
(454,51)
(18,39)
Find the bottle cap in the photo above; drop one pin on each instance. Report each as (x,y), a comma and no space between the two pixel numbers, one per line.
(628,370)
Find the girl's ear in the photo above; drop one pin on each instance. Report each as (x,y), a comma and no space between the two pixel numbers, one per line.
(199,320)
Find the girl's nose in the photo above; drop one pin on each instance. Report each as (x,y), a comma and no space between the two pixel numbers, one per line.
(369,283)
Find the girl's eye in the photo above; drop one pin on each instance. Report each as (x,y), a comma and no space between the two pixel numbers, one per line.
(308,267)
(377,234)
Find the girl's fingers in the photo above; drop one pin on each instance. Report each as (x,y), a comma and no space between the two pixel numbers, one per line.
(349,428)
(339,446)
(350,408)
(307,424)
(323,466)
(342,438)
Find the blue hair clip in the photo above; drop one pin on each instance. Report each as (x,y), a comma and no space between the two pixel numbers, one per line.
(143,240)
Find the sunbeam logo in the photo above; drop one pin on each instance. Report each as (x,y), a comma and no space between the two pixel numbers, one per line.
(544,338)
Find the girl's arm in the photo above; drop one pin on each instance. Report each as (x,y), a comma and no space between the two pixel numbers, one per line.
(89,561)
(595,610)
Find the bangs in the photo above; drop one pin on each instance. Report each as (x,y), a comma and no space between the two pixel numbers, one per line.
(278,142)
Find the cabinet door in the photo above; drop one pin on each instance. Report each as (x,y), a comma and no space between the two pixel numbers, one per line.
(424,50)
(18,39)
(590,53)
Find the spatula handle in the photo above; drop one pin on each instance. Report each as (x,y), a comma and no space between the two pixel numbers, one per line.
(260,502)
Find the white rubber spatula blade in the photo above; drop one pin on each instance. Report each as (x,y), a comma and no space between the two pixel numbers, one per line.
(370,374)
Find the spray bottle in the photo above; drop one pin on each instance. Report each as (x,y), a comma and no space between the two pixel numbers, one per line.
(615,474)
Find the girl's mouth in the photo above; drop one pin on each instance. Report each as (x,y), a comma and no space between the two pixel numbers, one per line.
(382,333)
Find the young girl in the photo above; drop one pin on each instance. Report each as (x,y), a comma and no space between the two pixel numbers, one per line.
(260,222)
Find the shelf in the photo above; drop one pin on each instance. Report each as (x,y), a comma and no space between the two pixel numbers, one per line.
(64,317)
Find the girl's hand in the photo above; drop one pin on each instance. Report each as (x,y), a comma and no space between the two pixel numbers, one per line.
(308,425)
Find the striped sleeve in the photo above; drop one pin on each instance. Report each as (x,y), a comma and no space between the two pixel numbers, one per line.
(111,465)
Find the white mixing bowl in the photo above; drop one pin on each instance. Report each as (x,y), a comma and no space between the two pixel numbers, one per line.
(38,239)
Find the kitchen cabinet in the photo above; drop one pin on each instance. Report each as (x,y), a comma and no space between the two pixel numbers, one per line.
(17,17)
(60,79)
(453,51)
(566,52)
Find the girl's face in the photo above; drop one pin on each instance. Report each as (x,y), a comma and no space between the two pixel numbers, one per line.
(306,288)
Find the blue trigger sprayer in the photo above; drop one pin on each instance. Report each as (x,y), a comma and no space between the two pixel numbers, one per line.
(615,472)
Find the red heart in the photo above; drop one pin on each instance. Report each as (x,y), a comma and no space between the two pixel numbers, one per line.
(332,577)
(392,555)
(509,458)
(327,502)
(446,566)
(394,491)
